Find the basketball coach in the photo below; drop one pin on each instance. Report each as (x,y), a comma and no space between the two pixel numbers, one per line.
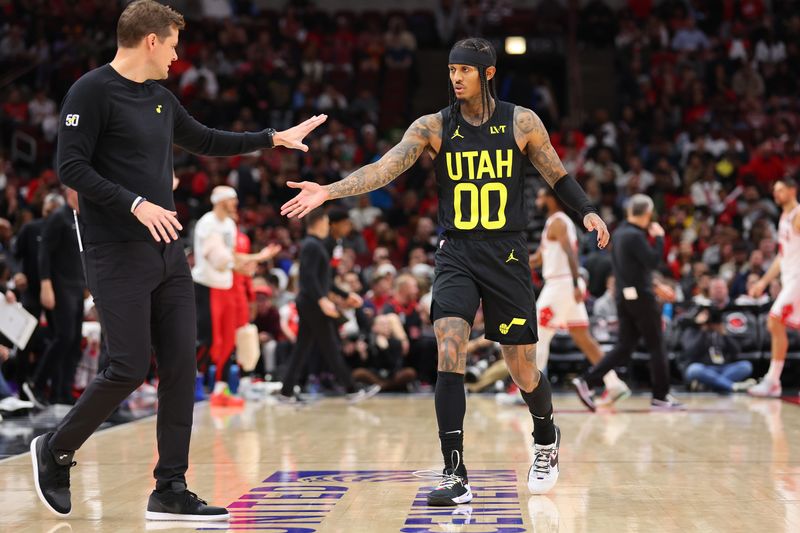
(118,127)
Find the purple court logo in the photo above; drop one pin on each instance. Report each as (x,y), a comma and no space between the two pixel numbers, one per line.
(300,502)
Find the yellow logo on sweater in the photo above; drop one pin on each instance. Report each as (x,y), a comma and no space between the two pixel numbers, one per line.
(158,108)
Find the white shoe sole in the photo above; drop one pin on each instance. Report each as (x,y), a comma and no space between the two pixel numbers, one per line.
(39,492)
(767,395)
(152,515)
(538,486)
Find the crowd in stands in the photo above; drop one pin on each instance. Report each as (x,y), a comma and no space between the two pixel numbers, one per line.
(707,118)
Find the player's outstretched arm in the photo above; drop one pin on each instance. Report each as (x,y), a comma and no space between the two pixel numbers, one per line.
(416,140)
(531,133)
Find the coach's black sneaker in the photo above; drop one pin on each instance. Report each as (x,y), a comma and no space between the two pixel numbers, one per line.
(667,404)
(51,475)
(543,473)
(177,503)
(453,489)
(584,393)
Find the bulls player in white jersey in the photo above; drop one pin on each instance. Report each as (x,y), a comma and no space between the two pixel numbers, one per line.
(560,304)
(785,312)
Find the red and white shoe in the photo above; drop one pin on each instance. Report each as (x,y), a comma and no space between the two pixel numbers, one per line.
(766,389)
(611,396)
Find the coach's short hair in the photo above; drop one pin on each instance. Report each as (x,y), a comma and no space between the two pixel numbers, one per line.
(639,204)
(315,216)
(144,17)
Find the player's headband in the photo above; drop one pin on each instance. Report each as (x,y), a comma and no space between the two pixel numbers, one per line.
(466,56)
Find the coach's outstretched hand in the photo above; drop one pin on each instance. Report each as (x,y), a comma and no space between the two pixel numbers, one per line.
(293,137)
(311,196)
(592,221)
(162,224)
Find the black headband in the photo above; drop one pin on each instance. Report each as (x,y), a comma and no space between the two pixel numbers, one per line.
(467,56)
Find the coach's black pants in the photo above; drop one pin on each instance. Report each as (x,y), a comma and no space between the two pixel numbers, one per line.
(145,299)
(316,332)
(639,318)
(63,353)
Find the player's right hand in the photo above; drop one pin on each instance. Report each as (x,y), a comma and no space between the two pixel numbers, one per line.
(162,224)
(311,196)
(757,289)
(328,308)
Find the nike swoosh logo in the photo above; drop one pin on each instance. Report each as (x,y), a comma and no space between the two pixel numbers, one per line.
(554,459)
(62,457)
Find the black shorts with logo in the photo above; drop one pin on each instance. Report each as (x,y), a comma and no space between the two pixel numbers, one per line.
(491,268)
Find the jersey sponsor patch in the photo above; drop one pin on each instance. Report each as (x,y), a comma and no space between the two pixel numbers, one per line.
(72,120)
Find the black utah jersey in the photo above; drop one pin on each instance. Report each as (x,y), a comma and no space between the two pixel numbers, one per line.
(479,174)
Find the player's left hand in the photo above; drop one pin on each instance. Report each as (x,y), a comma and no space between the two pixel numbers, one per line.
(268,252)
(293,137)
(577,292)
(592,222)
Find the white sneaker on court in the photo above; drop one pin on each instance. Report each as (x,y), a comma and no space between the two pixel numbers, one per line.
(543,473)
(766,389)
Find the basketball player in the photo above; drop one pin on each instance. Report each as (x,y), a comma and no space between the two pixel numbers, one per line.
(115,146)
(477,144)
(556,309)
(785,312)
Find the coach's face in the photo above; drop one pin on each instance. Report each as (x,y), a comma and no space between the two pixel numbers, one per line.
(162,53)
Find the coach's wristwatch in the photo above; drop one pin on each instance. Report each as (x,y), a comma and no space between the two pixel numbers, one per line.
(270,135)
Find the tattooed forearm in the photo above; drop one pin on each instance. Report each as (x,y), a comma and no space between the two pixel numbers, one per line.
(452,336)
(531,133)
(393,163)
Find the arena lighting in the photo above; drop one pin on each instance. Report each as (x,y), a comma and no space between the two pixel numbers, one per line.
(515,46)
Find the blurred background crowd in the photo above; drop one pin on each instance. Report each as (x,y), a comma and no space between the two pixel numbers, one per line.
(701,114)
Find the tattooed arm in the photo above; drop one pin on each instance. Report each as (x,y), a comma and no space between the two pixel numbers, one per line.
(417,138)
(531,134)
(532,138)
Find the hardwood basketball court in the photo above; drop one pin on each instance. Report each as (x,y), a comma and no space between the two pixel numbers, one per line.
(728,464)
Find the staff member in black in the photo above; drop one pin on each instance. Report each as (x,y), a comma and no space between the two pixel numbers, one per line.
(26,252)
(61,294)
(317,314)
(115,143)
(634,259)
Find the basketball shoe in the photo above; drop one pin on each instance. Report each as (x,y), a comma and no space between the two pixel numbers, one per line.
(51,475)
(453,488)
(768,388)
(613,395)
(363,394)
(222,397)
(670,403)
(584,393)
(543,473)
(177,503)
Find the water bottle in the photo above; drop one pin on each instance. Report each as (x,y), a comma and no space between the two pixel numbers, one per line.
(666,313)
(233,378)
(199,393)
(212,376)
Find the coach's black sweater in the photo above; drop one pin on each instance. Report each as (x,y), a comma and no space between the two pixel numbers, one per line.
(634,259)
(115,143)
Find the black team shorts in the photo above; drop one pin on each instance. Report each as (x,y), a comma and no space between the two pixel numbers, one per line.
(491,268)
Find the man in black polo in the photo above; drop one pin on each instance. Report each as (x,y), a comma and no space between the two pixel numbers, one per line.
(118,127)
(634,259)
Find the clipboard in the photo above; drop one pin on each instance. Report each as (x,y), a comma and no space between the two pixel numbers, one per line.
(16,323)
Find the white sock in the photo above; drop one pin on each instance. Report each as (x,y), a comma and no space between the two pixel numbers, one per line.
(220,387)
(775,370)
(612,381)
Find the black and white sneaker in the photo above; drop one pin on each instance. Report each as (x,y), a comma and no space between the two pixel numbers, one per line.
(543,474)
(453,489)
(51,475)
(363,394)
(584,393)
(670,403)
(181,504)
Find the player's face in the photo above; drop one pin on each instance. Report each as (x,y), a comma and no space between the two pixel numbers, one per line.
(163,54)
(783,194)
(465,80)
(231,207)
